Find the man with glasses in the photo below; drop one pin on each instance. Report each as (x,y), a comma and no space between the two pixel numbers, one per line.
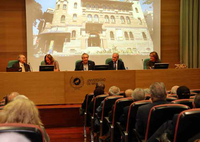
(22,64)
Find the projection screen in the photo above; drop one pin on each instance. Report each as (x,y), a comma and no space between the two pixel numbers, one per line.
(68,28)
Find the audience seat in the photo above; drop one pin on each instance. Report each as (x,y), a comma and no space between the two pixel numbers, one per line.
(188,102)
(195,90)
(32,132)
(172,95)
(170,99)
(187,125)
(160,114)
(127,130)
(147,96)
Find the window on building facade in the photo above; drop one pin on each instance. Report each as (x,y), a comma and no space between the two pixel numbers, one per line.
(73,34)
(131,36)
(126,35)
(140,21)
(106,19)
(62,20)
(136,9)
(112,19)
(74,17)
(58,6)
(64,6)
(89,17)
(122,20)
(128,20)
(112,35)
(144,36)
(88,6)
(96,18)
(75,5)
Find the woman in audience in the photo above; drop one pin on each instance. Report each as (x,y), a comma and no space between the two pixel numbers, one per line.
(153,59)
(49,60)
(22,110)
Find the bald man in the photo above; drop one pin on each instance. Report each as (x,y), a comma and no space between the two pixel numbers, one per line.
(22,64)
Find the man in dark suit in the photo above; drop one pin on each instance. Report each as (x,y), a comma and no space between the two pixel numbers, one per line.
(22,64)
(116,64)
(85,64)
(158,96)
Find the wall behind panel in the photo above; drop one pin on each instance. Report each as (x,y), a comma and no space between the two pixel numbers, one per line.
(13,31)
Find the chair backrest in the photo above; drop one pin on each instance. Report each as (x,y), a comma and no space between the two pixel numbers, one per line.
(187,125)
(88,100)
(107,105)
(172,95)
(195,90)
(170,99)
(160,114)
(118,108)
(133,108)
(32,132)
(42,63)
(97,101)
(11,63)
(145,63)
(147,96)
(188,102)
(110,59)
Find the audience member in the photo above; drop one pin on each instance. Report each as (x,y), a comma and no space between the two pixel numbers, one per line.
(158,96)
(13,137)
(174,90)
(49,60)
(183,92)
(85,64)
(22,111)
(128,93)
(9,98)
(116,64)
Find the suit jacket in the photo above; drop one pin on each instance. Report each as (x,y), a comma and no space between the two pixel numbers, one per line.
(120,65)
(26,66)
(79,66)
(142,117)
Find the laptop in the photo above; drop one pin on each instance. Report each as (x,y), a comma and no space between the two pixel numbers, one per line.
(101,67)
(161,65)
(46,68)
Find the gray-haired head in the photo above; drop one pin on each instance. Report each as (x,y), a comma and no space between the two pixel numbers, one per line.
(138,94)
(116,54)
(114,90)
(147,91)
(84,54)
(128,92)
(158,91)
(11,96)
(20,97)
(174,89)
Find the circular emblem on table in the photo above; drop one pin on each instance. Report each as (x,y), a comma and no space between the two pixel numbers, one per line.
(76,82)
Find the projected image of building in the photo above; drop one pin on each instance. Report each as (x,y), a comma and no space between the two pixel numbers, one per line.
(95,27)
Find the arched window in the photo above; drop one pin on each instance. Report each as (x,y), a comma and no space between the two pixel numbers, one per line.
(122,20)
(131,36)
(112,19)
(89,17)
(96,18)
(106,19)
(92,6)
(126,35)
(128,20)
(64,6)
(112,37)
(136,9)
(144,36)
(75,5)
(74,17)
(62,20)
(88,6)
(140,21)
(96,7)
(58,6)
(73,34)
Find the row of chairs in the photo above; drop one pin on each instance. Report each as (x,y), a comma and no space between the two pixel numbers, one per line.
(158,115)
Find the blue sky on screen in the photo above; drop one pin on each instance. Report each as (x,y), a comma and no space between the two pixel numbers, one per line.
(51,4)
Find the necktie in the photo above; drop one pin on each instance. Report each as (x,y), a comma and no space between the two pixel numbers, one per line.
(115,65)
(23,69)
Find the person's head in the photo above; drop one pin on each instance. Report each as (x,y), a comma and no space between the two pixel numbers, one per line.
(20,97)
(154,57)
(128,92)
(85,58)
(22,59)
(11,96)
(147,91)
(183,92)
(13,137)
(138,94)
(114,90)
(98,91)
(100,85)
(197,100)
(158,91)
(48,59)
(174,89)
(115,57)
(20,111)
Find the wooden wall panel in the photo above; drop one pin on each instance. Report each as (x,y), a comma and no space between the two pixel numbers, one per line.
(13,31)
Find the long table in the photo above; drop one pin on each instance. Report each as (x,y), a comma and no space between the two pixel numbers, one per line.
(70,87)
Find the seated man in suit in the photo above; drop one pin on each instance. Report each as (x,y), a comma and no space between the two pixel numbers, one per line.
(158,97)
(22,63)
(116,64)
(85,64)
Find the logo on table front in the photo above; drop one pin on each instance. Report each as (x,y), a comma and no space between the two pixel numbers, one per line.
(76,82)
